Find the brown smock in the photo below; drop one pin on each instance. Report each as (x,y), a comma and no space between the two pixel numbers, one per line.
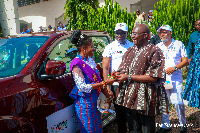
(148,98)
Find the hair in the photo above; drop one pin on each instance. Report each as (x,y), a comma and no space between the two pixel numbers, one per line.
(80,39)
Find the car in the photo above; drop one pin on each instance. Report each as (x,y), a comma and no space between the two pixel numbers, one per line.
(35,78)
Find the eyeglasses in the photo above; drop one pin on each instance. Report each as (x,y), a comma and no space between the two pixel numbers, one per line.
(162,32)
(136,33)
(120,34)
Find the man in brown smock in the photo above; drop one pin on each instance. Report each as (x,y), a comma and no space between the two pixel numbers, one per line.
(140,75)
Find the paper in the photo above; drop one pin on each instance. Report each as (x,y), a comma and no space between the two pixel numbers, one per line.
(63,121)
(168,82)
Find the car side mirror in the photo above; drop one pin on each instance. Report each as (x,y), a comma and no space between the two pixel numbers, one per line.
(54,68)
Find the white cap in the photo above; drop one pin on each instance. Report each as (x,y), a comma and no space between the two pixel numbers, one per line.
(121,26)
(165,27)
(150,10)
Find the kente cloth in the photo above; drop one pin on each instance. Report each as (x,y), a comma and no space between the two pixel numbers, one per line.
(148,98)
(88,115)
(192,86)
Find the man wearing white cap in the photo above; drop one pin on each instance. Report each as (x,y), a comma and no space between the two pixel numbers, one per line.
(150,17)
(112,57)
(175,58)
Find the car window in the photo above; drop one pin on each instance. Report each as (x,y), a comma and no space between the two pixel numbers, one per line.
(15,53)
(66,51)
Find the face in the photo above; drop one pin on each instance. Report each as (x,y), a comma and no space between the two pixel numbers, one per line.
(61,24)
(138,35)
(89,50)
(165,35)
(121,36)
(197,25)
(150,14)
(138,12)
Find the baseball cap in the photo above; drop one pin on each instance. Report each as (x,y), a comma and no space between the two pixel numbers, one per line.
(165,27)
(150,10)
(121,26)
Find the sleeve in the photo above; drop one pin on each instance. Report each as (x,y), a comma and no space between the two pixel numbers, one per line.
(80,80)
(183,51)
(156,64)
(107,52)
(190,47)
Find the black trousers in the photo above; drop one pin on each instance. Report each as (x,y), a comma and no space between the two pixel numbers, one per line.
(120,113)
(137,123)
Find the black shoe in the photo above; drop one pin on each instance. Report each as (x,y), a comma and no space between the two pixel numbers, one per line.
(163,130)
(183,129)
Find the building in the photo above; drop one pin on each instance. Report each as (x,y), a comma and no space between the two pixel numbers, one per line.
(36,13)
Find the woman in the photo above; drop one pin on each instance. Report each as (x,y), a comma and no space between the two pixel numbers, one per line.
(191,92)
(88,85)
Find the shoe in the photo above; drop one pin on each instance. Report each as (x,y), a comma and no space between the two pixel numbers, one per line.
(183,129)
(163,130)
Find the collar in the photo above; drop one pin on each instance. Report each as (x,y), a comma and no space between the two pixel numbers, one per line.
(144,47)
(120,44)
(82,58)
(171,44)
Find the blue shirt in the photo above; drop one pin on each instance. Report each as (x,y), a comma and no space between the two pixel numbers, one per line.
(193,40)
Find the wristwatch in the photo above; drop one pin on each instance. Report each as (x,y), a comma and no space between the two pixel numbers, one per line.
(175,68)
(129,78)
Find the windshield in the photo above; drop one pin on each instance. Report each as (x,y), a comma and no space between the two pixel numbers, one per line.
(15,53)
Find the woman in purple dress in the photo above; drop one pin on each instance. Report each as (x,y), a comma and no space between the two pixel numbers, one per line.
(88,85)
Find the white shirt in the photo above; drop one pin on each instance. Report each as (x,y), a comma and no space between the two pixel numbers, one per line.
(115,51)
(173,55)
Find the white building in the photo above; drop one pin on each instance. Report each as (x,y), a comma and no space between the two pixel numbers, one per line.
(35,13)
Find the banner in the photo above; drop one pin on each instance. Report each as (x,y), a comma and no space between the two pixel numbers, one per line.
(63,121)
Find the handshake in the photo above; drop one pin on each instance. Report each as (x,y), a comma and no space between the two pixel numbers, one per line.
(117,77)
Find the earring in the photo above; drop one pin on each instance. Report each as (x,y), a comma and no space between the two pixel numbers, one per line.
(84,51)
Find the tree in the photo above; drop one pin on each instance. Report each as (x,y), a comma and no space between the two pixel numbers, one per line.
(77,9)
(180,15)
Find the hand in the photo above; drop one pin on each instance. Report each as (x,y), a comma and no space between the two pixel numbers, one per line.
(122,77)
(189,61)
(109,102)
(170,70)
(110,81)
(109,91)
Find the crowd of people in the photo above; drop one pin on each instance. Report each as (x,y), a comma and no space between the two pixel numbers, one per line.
(59,27)
(145,77)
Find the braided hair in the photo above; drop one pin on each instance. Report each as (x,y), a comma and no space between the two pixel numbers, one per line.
(80,39)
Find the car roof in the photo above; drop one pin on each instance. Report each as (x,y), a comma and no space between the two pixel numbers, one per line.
(86,32)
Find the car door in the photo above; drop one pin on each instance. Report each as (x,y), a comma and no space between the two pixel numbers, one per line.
(60,86)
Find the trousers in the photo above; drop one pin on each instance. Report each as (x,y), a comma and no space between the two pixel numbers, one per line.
(174,95)
(137,123)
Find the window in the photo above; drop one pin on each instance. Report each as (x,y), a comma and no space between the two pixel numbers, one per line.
(28,2)
(66,52)
(15,53)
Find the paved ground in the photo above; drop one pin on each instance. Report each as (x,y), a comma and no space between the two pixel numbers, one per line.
(192,116)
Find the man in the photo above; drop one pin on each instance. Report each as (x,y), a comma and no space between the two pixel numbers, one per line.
(150,17)
(112,57)
(155,39)
(140,75)
(140,17)
(61,27)
(175,58)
